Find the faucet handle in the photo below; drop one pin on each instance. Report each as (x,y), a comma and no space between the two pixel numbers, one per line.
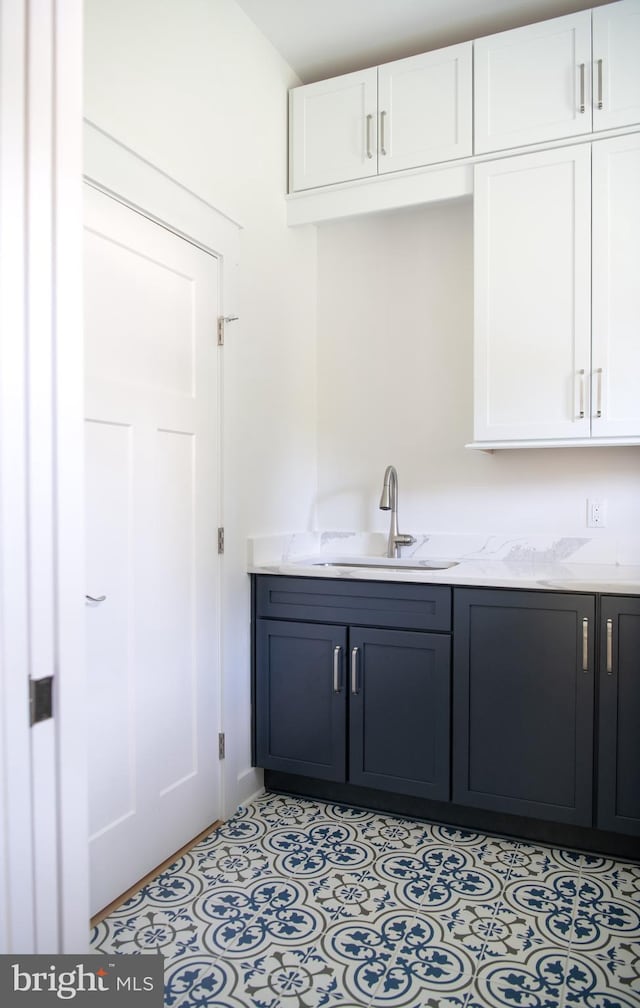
(404,540)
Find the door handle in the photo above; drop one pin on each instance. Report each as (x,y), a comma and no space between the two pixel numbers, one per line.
(585,645)
(581,394)
(337,656)
(599,65)
(383,146)
(609,647)
(368,124)
(94,598)
(354,670)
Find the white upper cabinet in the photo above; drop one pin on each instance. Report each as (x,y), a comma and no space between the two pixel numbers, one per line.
(616,65)
(533,84)
(616,289)
(557,298)
(405,114)
(333,130)
(532,293)
(424,109)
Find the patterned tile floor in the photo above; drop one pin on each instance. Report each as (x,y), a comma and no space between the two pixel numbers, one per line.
(300,904)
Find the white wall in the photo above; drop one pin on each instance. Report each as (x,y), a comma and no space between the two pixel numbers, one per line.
(395,327)
(193,87)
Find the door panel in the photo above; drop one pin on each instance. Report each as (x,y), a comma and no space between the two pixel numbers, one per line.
(301,698)
(399,711)
(151,305)
(334,130)
(619,749)
(425,108)
(523,703)
(532,217)
(530,82)
(616,291)
(616,42)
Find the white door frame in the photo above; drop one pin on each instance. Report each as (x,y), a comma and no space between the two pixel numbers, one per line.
(42,779)
(121,173)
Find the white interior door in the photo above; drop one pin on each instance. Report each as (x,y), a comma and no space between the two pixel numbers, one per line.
(151,302)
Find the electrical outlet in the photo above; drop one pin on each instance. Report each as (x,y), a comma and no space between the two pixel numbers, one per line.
(596,513)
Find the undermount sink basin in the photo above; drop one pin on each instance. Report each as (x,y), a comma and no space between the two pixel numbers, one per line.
(383,564)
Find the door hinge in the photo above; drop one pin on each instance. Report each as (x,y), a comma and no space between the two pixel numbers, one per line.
(221,745)
(40,699)
(222,321)
(221,540)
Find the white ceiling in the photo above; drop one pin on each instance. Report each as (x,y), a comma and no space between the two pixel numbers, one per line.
(323,38)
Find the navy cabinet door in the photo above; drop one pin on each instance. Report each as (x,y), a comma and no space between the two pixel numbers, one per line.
(399,711)
(619,716)
(523,703)
(301,698)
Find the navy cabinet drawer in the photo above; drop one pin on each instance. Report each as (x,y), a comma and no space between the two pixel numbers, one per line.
(365,603)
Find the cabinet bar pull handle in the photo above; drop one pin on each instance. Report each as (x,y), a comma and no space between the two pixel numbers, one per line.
(581,106)
(609,647)
(599,392)
(354,670)
(383,149)
(337,655)
(581,394)
(599,64)
(585,645)
(369,152)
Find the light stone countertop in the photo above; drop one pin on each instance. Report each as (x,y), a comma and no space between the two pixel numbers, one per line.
(562,564)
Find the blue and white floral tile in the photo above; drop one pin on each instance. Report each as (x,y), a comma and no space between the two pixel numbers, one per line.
(547,905)
(597,981)
(512,859)
(538,981)
(172,933)
(301,904)
(456,836)
(390,834)
(622,878)
(425,959)
(484,931)
(462,880)
(412,873)
(196,981)
(224,863)
(348,895)
(380,960)
(305,853)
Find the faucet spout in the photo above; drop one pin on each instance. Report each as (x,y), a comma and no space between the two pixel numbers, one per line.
(389,502)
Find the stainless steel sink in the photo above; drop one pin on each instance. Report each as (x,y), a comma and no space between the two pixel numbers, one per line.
(397,565)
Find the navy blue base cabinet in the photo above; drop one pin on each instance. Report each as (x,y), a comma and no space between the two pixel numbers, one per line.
(523,703)
(384,689)
(529,725)
(619,715)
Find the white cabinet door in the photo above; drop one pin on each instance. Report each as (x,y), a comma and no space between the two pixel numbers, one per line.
(533,84)
(424,109)
(532,294)
(616,65)
(616,287)
(333,130)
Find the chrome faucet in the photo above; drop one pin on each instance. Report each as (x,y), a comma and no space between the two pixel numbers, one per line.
(389,502)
